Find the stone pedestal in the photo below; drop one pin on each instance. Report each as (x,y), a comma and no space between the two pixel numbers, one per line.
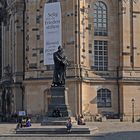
(59,99)
(56,125)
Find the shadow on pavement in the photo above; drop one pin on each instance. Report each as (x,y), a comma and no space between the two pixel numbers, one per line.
(126,135)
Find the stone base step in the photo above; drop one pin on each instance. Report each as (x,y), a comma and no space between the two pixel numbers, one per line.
(60,130)
(60,121)
(53,123)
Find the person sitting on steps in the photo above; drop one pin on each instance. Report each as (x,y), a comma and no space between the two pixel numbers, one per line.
(69,125)
(56,113)
(80,120)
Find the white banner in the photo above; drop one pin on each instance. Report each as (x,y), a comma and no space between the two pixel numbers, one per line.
(22,113)
(52,31)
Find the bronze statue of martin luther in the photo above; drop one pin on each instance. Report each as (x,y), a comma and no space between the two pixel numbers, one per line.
(60,64)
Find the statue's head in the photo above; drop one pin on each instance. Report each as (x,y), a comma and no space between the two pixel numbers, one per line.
(60,48)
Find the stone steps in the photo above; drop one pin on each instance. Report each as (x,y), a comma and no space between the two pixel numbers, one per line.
(54,121)
(59,121)
(52,130)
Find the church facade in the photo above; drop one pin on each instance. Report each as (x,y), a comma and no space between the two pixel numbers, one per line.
(101,41)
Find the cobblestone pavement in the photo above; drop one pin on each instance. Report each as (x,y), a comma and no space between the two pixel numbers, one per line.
(103,127)
(106,131)
(112,127)
(6,128)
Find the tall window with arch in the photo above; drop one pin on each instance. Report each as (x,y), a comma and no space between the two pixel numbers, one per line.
(100,19)
(103,98)
(50,1)
(100,59)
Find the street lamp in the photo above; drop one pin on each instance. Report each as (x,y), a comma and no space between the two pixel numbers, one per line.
(133,101)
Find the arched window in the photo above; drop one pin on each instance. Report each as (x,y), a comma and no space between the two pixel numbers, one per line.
(100,19)
(50,1)
(103,98)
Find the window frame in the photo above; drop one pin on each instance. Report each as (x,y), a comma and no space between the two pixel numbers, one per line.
(100,19)
(100,55)
(104,98)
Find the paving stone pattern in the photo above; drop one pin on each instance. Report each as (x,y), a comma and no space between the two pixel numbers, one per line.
(106,131)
